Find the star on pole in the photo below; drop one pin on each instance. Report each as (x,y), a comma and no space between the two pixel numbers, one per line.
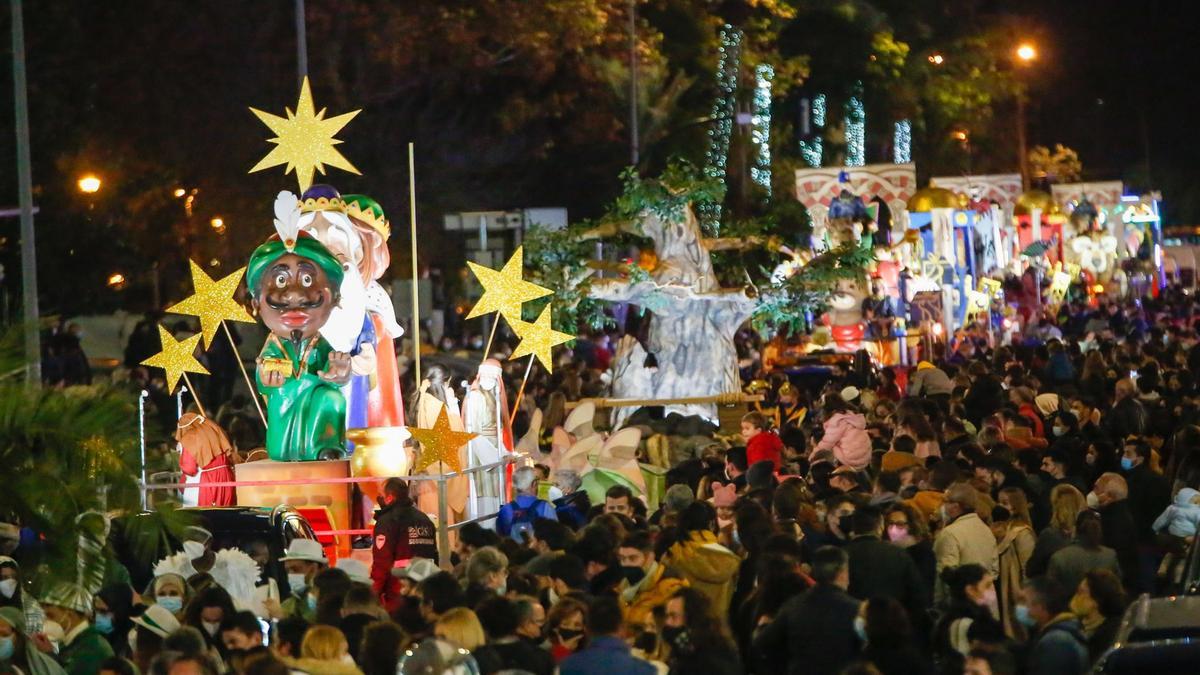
(505,291)
(212,302)
(176,358)
(440,444)
(538,338)
(304,140)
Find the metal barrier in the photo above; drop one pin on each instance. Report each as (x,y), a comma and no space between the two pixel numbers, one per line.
(443,535)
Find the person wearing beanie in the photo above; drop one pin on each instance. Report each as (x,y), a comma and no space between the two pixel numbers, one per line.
(761,443)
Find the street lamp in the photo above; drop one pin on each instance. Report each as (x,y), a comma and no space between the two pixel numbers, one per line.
(116,281)
(1026,54)
(217,223)
(179,192)
(89,184)
(937,59)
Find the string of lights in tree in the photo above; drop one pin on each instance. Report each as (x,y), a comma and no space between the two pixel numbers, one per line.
(722,114)
(902,142)
(761,125)
(856,129)
(811,150)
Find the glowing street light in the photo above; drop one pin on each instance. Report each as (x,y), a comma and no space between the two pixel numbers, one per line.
(179,192)
(116,280)
(1026,52)
(89,184)
(936,59)
(959,135)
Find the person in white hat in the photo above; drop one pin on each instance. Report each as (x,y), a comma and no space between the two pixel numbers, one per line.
(357,570)
(302,560)
(149,630)
(418,570)
(83,648)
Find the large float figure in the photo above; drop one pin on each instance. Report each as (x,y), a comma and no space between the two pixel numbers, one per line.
(205,456)
(293,281)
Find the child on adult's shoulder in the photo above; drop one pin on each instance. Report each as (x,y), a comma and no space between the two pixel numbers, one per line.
(761,442)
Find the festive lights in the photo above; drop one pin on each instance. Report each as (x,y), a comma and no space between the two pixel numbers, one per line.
(811,149)
(902,142)
(722,114)
(856,129)
(761,125)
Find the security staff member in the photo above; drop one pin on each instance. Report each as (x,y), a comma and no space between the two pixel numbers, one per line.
(402,532)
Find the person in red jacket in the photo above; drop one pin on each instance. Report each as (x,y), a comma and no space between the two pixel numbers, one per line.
(761,443)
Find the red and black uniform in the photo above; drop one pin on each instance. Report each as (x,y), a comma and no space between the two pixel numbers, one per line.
(402,532)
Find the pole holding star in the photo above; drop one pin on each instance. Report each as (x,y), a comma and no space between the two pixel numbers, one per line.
(213,303)
(177,359)
(538,339)
(304,140)
(440,444)
(504,291)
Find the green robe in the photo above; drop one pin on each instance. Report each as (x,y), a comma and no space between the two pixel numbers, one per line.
(307,414)
(86,653)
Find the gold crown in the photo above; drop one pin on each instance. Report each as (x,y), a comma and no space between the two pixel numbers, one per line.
(377,221)
(322,204)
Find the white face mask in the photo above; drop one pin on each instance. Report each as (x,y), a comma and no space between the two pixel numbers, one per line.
(8,587)
(193,549)
(1093,500)
(211,628)
(297,583)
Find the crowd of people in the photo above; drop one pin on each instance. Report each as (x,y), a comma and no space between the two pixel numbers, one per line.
(993,509)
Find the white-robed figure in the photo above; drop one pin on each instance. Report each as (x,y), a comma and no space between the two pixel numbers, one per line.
(485,412)
(231,569)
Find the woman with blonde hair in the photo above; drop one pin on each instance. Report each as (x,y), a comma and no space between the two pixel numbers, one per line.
(461,628)
(1066,503)
(324,651)
(205,456)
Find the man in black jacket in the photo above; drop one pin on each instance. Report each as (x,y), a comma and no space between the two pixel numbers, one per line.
(505,651)
(1110,496)
(813,633)
(985,395)
(1128,416)
(402,532)
(879,569)
(1149,495)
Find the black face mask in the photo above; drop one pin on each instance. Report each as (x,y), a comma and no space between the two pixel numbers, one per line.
(677,638)
(566,634)
(845,523)
(647,641)
(633,574)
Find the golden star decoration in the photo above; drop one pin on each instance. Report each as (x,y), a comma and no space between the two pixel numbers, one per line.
(505,291)
(440,444)
(176,358)
(305,140)
(212,302)
(538,338)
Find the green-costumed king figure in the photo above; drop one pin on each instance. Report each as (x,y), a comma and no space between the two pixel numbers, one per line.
(293,281)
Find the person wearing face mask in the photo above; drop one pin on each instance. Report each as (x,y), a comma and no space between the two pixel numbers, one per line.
(972,607)
(83,648)
(964,538)
(564,627)
(1149,495)
(531,620)
(884,627)
(723,500)
(880,570)
(206,612)
(907,528)
(112,608)
(1099,603)
(706,565)
(303,559)
(487,574)
(648,583)
(18,653)
(1110,496)
(402,532)
(606,651)
(1058,644)
(697,643)
(169,591)
(505,648)
(12,594)
(231,569)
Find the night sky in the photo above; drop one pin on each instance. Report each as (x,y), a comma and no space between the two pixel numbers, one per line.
(1117,82)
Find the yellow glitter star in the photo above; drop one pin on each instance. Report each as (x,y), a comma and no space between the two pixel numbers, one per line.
(538,338)
(304,140)
(176,357)
(505,291)
(213,302)
(440,444)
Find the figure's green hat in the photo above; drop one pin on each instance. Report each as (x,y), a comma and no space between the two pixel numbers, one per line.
(369,211)
(306,246)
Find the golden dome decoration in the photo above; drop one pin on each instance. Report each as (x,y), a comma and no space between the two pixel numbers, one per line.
(930,198)
(1037,199)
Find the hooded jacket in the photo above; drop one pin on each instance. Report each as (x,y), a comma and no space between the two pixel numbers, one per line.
(846,435)
(708,567)
(1182,518)
(653,591)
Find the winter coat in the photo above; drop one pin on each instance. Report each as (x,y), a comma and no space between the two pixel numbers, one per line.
(880,569)
(1149,494)
(846,435)
(764,445)
(1069,566)
(1127,418)
(966,540)
(1181,518)
(708,567)
(322,667)
(813,633)
(930,382)
(984,397)
(1059,649)
(652,592)
(85,653)
(1015,549)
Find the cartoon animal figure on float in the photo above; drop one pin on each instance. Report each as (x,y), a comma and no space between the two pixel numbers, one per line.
(205,456)
(355,229)
(485,412)
(293,281)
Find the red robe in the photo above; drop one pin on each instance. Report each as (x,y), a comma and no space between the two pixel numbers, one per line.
(217,471)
